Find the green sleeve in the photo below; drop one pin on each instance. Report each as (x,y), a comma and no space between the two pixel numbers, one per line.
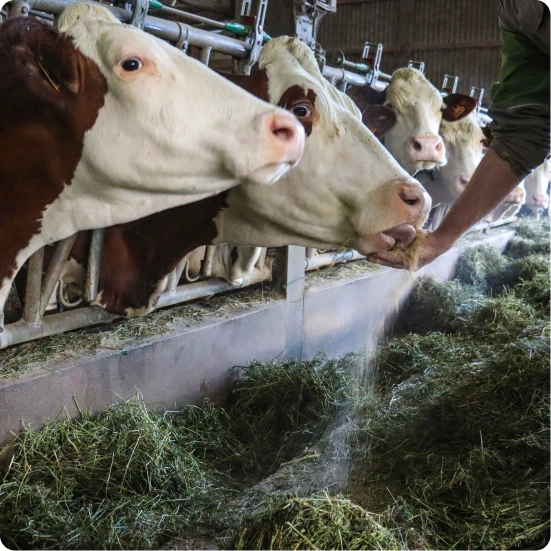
(524,72)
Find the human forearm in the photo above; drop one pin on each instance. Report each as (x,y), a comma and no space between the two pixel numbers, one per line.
(489,185)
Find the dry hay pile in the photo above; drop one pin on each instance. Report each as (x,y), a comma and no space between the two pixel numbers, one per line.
(450,451)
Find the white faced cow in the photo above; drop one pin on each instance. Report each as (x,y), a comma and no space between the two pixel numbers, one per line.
(536,185)
(346,190)
(408,115)
(102,124)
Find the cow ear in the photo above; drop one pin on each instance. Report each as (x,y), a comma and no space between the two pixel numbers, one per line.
(457,106)
(48,59)
(379,119)
(364,96)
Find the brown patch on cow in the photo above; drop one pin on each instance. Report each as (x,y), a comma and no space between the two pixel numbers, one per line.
(50,94)
(256,83)
(294,98)
(139,254)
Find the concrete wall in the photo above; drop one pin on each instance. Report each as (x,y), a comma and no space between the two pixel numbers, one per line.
(191,363)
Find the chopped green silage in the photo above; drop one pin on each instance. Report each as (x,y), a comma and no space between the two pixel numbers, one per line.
(450,451)
(318,521)
(123,479)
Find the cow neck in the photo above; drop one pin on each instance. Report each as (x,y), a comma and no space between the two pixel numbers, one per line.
(137,255)
(42,130)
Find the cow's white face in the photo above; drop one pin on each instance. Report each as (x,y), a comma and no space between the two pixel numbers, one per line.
(414,140)
(464,143)
(536,186)
(170,127)
(347,188)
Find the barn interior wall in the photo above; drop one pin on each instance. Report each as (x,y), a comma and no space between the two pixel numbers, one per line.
(450,37)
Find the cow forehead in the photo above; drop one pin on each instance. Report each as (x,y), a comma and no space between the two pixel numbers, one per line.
(289,62)
(99,35)
(465,132)
(409,86)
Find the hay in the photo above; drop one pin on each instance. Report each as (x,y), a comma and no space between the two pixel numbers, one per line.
(434,306)
(318,521)
(460,437)
(410,254)
(120,480)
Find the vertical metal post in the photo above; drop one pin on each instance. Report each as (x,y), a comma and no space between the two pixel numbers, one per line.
(31,312)
(207,262)
(94,262)
(290,272)
(204,55)
(54,270)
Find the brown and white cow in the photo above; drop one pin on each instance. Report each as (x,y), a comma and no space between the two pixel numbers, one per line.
(346,190)
(102,124)
(408,114)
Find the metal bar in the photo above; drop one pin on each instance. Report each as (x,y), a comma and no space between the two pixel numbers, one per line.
(19,332)
(31,313)
(54,270)
(167,30)
(340,75)
(481,226)
(431,47)
(216,6)
(94,261)
(202,289)
(328,259)
(207,261)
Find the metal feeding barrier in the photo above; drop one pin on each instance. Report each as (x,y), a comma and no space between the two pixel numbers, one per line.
(44,288)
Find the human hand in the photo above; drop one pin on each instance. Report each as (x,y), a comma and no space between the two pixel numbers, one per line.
(431,247)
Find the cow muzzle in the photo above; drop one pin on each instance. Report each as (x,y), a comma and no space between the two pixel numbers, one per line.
(280,147)
(427,149)
(410,207)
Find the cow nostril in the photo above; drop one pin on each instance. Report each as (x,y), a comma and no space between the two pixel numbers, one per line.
(409,197)
(417,146)
(463,181)
(283,134)
(283,127)
(439,146)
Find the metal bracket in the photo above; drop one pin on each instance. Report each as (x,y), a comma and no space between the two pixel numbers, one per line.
(139,12)
(374,61)
(308,14)
(18,8)
(419,65)
(473,93)
(446,88)
(255,39)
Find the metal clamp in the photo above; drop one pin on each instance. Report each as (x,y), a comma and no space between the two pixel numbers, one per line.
(19,8)
(419,65)
(308,14)
(446,88)
(374,61)
(478,97)
(139,12)
(255,38)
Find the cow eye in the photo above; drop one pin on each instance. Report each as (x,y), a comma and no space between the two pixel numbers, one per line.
(131,64)
(302,111)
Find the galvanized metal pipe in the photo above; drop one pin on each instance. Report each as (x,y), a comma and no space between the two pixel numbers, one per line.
(341,75)
(481,226)
(57,264)
(31,312)
(16,333)
(184,293)
(328,259)
(167,30)
(94,261)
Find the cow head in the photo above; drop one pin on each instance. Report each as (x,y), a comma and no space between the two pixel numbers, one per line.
(465,146)
(408,114)
(536,185)
(346,190)
(167,119)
